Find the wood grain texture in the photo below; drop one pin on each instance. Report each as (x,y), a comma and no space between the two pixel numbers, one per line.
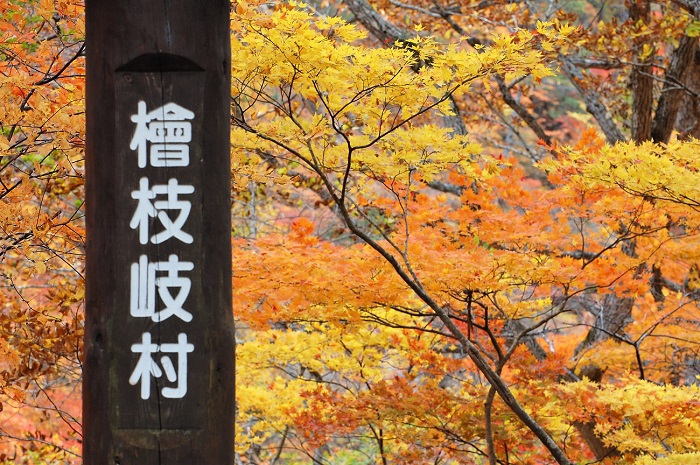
(157,52)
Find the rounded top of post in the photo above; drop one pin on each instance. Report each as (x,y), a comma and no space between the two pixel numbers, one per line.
(159,62)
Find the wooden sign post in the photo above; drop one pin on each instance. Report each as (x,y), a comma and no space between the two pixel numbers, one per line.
(158,360)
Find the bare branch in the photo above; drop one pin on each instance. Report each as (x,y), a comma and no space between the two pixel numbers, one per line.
(593,104)
(669,104)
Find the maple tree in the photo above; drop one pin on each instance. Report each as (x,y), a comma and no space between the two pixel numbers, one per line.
(470,260)
(464,233)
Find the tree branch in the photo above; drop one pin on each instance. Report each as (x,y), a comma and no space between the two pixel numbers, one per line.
(593,105)
(672,94)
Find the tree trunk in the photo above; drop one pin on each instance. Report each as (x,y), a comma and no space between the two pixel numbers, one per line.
(642,83)
(673,93)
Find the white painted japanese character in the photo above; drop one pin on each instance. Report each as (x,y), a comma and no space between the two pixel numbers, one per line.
(168,131)
(147,209)
(144,210)
(144,283)
(181,348)
(173,228)
(146,367)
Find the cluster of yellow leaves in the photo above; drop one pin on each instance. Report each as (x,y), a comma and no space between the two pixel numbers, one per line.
(690,458)
(661,172)
(305,88)
(636,417)
(636,39)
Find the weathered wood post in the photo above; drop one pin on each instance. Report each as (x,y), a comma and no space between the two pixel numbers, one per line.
(158,363)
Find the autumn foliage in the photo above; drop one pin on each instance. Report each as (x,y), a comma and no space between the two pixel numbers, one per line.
(464,232)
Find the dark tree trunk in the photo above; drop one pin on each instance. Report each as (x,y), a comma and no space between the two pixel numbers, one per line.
(674,94)
(642,83)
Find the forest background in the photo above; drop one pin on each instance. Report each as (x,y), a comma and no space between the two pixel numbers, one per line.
(464,232)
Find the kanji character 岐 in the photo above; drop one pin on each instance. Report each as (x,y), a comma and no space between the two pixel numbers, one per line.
(144,283)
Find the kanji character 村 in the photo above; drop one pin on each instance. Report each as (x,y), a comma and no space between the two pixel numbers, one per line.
(146,367)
